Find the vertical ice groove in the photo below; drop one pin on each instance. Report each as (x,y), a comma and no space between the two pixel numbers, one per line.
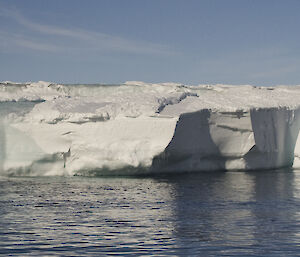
(275,138)
(297,145)
(2,145)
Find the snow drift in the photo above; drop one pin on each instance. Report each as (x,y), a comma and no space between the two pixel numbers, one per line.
(52,129)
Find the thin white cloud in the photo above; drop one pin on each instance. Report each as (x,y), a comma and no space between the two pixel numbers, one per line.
(278,72)
(81,38)
(27,43)
(12,40)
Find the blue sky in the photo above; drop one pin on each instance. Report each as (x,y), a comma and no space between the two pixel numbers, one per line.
(188,41)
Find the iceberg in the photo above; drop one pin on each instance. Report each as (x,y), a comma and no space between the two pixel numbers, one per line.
(142,128)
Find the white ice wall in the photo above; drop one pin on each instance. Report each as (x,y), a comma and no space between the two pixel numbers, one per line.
(67,149)
(146,128)
(209,140)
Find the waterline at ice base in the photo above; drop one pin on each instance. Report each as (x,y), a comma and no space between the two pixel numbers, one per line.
(142,128)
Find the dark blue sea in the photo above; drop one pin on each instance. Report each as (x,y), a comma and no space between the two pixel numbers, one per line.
(204,214)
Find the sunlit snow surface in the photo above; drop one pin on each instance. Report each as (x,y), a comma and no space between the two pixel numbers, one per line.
(52,129)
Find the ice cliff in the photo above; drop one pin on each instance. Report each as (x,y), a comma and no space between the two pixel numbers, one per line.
(52,129)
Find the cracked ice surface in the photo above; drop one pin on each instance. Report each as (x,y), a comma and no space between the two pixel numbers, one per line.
(136,127)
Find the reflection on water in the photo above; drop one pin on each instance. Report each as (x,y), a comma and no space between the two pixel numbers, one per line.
(217,214)
(236,213)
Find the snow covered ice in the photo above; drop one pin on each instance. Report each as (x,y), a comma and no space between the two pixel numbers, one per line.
(136,127)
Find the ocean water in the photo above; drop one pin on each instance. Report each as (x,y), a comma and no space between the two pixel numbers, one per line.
(204,214)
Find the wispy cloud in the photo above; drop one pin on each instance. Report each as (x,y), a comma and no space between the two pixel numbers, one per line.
(80,38)
(14,39)
(277,72)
